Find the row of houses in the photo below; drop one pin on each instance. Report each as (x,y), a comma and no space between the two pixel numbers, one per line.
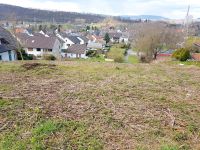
(60,45)
(40,44)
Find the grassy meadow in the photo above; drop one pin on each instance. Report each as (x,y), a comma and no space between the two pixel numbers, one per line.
(79,105)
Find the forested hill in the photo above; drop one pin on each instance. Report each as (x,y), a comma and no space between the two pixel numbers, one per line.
(10,12)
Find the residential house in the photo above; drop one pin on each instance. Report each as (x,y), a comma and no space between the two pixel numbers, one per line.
(40,45)
(115,37)
(165,54)
(94,46)
(124,38)
(69,40)
(19,30)
(8,46)
(6,52)
(41,33)
(84,40)
(76,51)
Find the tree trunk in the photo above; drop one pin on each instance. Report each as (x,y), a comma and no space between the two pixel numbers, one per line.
(155,55)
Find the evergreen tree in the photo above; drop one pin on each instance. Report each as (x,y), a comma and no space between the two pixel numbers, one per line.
(87,28)
(107,38)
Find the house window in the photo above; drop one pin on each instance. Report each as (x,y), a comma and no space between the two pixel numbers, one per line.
(30,49)
(38,49)
(68,45)
(49,50)
(0,57)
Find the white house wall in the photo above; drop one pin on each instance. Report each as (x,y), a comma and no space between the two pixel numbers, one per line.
(71,55)
(68,42)
(124,39)
(57,49)
(5,56)
(34,52)
(64,46)
(81,41)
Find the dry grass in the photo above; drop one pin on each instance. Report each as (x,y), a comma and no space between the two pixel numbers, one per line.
(107,105)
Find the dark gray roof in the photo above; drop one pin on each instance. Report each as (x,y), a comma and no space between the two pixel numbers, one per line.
(40,42)
(5,34)
(4,48)
(77,49)
(38,34)
(74,39)
(115,35)
(85,39)
(22,37)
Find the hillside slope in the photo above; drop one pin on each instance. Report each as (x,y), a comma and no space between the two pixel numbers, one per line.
(26,14)
(83,105)
(143,17)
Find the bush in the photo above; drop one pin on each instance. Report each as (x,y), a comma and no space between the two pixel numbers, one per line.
(119,59)
(145,59)
(117,54)
(181,54)
(24,55)
(92,53)
(49,57)
(125,46)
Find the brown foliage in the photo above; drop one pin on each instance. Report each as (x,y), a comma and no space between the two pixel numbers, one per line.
(150,38)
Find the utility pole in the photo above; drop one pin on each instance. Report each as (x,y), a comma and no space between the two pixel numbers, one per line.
(186,23)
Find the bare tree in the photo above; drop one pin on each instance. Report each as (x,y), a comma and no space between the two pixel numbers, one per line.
(152,37)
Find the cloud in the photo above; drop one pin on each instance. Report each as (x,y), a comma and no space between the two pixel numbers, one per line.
(166,8)
(45,4)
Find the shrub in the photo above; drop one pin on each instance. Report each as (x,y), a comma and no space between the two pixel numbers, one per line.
(181,54)
(119,59)
(22,53)
(125,46)
(49,57)
(145,59)
(91,53)
(117,54)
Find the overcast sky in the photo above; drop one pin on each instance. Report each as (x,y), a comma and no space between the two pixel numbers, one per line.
(175,9)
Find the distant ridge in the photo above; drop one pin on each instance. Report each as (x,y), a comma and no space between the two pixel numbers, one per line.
(32,15)
(143,17)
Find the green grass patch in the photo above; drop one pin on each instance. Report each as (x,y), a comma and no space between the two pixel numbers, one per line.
(133,59)
(169,147)
(5,88)
(116,53)
(52,134)
(189,63)
(4,103)
(109,105)
(194,63)
(10,67)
